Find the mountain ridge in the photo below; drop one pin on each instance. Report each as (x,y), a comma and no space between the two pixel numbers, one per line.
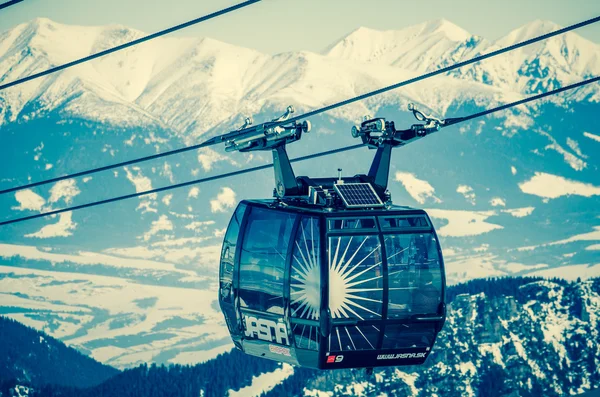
(192,84)
(33,357)
(523,178)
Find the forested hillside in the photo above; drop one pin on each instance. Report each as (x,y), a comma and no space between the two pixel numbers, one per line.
(503,337)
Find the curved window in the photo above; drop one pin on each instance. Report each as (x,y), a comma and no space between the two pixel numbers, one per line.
(404,222)
(349,224)
(263,258)
(226,296)
(228,253)
(399,336)
(306,336)
(415,276)
(354,337)
(355,277)
(305,283)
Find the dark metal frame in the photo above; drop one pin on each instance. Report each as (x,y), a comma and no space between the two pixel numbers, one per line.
(325,324)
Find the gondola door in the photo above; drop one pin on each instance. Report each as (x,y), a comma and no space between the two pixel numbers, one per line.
(262,283)
(356,292)
(306,290)
(227,275)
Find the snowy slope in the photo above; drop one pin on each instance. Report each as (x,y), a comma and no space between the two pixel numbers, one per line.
(537,339)
(429,46)
(418,48)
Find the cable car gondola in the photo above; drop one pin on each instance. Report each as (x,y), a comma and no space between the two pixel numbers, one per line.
(330,274)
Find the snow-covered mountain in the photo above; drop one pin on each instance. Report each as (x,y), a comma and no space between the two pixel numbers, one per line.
(420,48)
(192,85)
(525,339)
(426,47)
(513,194)
(503,337)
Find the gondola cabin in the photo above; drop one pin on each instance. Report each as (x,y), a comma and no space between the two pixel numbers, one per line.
(330,274)
(332,289)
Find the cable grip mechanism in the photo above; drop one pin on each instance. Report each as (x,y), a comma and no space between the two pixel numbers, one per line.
(376,132)
(267,135)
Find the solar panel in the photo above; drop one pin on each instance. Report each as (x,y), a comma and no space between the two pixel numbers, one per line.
(358,195)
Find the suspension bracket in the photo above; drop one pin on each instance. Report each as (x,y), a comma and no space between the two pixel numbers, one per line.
(382,135)
(267,135)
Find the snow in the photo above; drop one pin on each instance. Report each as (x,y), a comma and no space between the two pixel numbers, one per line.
(464,223)
(82,258)
(317,393)
(467,368)
(167,199)
(199,225)
(593,235)
(142,183)
(571,159)
(192,85)
(200,356)
(28,200)
(571,272)
(224,200)
(24,319)
(168,172)
(63,228)
(108,353)
(467,192)
(185,250)
(498,202)
(574,145)
(194,192)
(139,181)
(554,186)
(513,170)
(494,350)
(590,236)
(459,270)
(418,189)
(409,380)
(399,47)
(220,232)
(521,352)
(94,301)
(9,300)
(264,383)
(520,212)
(514,267)
(160,225)
(208,157)
(592,136)
(528,31)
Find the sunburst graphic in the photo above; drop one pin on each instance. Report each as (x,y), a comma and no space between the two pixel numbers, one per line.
(306,275)
(355,277)
(355,285)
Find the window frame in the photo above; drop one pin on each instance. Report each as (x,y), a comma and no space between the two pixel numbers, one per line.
(285,284)
(431,234)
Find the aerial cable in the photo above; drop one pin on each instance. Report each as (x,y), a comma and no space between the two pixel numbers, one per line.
(180,185)
(228,136)
(421,77)
(9,3)
(129,44)
(308,157)
(522,101)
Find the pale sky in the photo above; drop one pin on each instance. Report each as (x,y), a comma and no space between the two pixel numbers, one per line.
(289,25)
